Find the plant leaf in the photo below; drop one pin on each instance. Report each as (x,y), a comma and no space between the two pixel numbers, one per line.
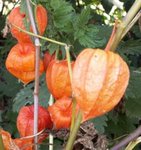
(100,123)
(25,96)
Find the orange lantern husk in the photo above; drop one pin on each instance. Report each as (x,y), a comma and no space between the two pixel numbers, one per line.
(99,81)
(61,112)
(41,18)
(17,18)
(21,62)
(10,143)
(47,59)
(25,121)
(58,79)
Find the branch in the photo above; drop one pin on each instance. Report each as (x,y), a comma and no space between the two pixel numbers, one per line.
(39,36)
(128,139)
(132,23)
(123,25)
(37,66)
(74,131)
(51,100)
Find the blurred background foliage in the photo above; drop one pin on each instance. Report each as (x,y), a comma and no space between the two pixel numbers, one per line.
(81,23)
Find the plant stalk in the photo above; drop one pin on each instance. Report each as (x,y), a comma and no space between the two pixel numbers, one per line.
(39,36)
(132,144)
(132,12)
(50,135)
(67,48)
(73,113)
(128,139)
(124,25)
(37,66)
(132,23)
(73,134)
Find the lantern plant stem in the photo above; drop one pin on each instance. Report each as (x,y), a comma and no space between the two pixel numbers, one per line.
(37,66)
(133,144)
(67,48)
(73,134)
(73,113)
(123,26)
(132,136)
(1,142)
(56,54)
(50,135)
(138,15)
(39,36)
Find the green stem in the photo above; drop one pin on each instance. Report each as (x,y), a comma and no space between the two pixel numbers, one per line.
(70,74)
(117,38)
(123,25)
(39,36)
(138,15)
(133,144)
(32,3)
(73,134)
(67,48)
(56,54)
(1,143)
(73,114)
(132,12)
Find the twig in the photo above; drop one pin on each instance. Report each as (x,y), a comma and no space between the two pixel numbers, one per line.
(50,135)
(37,66)
(128,139)
(108,46)
(67,48)
(123,25)
(32,136)
(73,134)
(39,36)
(132,23)
(132,144)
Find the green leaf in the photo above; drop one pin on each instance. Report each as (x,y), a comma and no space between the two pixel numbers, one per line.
(120,124)
(25,96)
(62,13)
(133,90)
(100,123)
(88,37)
(131,47)
(6,83)
(136,30)
(133,95)
(82,19)
(23,9)
(133,107)
(9,123)
(52,47)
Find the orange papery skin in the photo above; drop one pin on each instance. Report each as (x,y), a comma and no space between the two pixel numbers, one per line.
(25,121)
(99,81)
(61,113)
(10,143)
(17,18)
(47,59)
(21,62)
(6,137)
(41,18)
(58,79)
